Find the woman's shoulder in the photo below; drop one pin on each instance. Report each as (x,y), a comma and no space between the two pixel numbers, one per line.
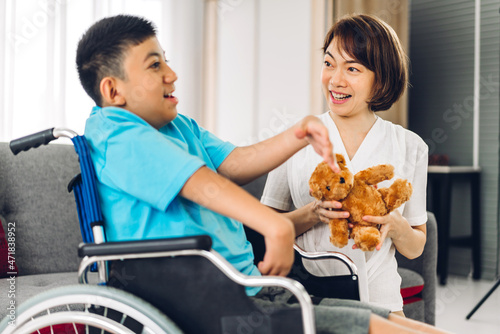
(324,117)
(409,137)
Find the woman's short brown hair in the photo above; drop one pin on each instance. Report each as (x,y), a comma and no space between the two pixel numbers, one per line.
(375,45)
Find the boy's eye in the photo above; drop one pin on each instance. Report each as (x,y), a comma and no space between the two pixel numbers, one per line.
(353,69)
(155,65)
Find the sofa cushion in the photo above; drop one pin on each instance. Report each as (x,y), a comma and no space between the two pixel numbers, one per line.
(34,195)
(412,285)
(28,286)
(415,310)
(8,266)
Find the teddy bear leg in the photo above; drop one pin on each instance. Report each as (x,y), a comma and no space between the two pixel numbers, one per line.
(398,193)
(366,238)
(339,232)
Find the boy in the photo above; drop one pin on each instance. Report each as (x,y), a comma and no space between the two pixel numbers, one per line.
(176,165)
(160,174)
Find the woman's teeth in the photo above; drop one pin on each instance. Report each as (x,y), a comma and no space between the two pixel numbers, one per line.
(340,96)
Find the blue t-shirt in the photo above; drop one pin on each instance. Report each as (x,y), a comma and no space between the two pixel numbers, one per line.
(140,172)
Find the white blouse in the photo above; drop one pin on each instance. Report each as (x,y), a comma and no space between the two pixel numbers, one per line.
(287,187)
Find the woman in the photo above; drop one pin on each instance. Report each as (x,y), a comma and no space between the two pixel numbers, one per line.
(364,71)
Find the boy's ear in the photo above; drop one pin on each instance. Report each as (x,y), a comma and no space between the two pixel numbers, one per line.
(110,93)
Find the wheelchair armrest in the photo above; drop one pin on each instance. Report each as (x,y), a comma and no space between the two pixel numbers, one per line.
(201,242)
(328,255)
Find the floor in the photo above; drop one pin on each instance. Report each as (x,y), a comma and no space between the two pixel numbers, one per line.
(457,298)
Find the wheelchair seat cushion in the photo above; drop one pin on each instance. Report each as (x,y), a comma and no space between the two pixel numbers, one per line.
(183,286)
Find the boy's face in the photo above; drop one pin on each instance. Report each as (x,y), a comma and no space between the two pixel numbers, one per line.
(149,84)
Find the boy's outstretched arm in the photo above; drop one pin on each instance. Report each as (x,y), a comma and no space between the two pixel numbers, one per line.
(218,194)
(247,163)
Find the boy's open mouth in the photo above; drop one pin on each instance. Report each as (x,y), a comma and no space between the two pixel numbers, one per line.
(170,98)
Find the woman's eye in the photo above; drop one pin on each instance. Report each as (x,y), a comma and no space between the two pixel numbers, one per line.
(156,65)
(327,63)
(353,69)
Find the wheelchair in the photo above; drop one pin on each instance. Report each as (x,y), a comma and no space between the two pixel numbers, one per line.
(200,291)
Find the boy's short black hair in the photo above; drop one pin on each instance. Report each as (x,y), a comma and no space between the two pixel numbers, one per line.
(102,49)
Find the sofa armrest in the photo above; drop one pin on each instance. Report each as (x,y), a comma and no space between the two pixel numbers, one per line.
(426,265)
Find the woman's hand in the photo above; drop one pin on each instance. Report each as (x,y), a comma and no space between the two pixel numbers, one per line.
(393,226)
(327,210)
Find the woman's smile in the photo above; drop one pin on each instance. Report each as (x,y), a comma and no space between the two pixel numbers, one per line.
(339,98)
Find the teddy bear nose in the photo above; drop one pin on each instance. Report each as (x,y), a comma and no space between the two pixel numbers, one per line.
(342,180)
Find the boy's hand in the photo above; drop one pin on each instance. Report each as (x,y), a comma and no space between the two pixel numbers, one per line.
(279,255)
(315,133)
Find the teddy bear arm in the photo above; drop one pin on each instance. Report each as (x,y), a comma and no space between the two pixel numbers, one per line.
(398,193)
(375,174)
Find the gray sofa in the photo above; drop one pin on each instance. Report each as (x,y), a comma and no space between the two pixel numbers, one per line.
(34,196)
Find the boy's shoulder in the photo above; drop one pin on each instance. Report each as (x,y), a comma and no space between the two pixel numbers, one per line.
(108,121)
(119,115)
(104,124)
(115,115)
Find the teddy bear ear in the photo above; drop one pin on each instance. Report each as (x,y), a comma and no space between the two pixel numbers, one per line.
(340,159)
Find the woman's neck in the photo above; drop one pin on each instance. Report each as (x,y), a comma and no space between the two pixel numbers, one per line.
(353,130)
(358,124)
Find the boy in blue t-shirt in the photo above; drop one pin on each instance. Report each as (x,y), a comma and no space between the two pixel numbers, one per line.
(161,175)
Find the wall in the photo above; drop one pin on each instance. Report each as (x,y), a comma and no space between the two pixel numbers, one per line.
(441,107)
(39,85)
(489,133)
(263,68)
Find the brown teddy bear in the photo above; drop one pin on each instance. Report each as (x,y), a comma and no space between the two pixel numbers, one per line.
(359,196)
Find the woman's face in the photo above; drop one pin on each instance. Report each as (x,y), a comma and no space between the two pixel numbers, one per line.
(347,84)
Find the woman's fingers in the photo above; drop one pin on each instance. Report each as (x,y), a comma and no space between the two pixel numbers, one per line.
(327,215)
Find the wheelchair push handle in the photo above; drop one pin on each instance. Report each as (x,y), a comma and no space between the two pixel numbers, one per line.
(32,141)
(40,138)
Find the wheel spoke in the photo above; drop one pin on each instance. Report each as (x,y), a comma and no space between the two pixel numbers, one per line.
(75,307)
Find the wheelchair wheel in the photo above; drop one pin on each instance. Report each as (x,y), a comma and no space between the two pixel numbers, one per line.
(87,309)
